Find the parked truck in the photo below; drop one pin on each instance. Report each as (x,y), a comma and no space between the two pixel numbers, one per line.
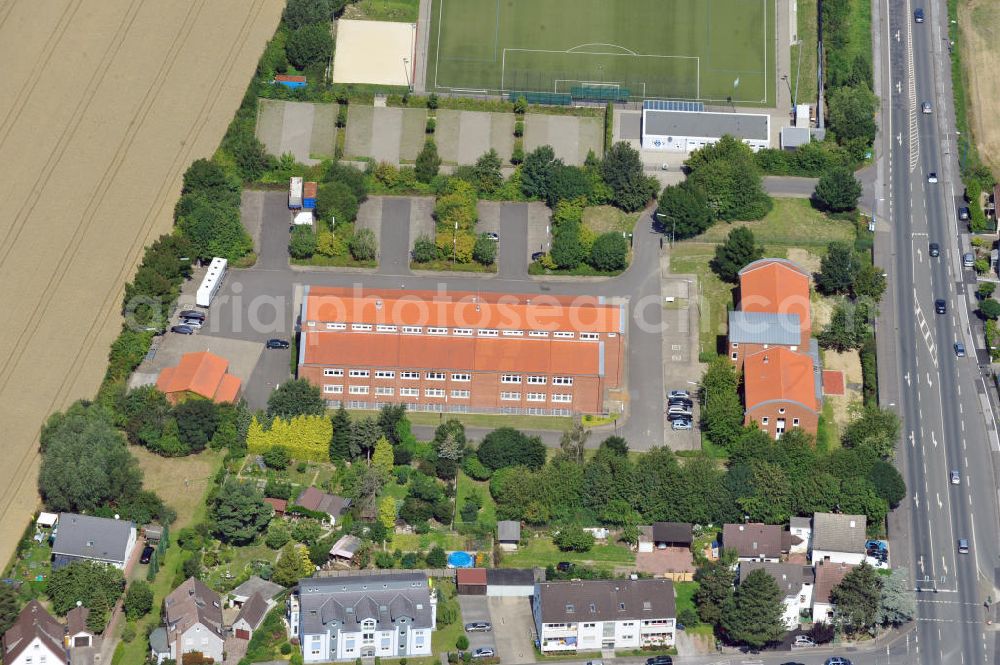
(309,195)
(295,194)
(211,283)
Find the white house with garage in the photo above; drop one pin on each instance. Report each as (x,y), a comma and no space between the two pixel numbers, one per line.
(838,538)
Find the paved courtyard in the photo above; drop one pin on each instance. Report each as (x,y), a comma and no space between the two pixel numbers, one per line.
(304,129)
(513,629)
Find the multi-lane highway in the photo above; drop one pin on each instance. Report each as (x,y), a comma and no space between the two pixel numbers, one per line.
(940,397)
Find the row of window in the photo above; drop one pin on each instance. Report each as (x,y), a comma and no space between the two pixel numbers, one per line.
(386,391)
(765,420)
(441,376)
(461,332)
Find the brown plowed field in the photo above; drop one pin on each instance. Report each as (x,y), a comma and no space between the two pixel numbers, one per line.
(104,104)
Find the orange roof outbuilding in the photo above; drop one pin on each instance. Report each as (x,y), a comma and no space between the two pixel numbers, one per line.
(201,373)
(776,286)
(779,374)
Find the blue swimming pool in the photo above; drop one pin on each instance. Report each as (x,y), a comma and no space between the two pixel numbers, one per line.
(460,560)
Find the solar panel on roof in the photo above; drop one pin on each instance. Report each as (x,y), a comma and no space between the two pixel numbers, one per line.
(672,105)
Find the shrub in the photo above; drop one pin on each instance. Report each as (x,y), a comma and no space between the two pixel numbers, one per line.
(519,128)
(609,252)
(485,250)
(302,244)
(277,457)
(285,648)
(462,643)
(364,246)
(475,469)
(309,45)
(424,250)
(431,126)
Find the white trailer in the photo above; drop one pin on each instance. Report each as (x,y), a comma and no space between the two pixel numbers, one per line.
(302,217)
(213,280)
(295,193)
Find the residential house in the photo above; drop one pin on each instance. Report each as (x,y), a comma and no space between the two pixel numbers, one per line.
(251,615)
(193,618)
(83,644)
(770,338)
(756,542)
(782,390)
(794,581)
(838,538)
(508,535)
(828,576)
(88,538)
(801,530)
(331,505)
(36,638)
(594,615)
(364,616)
(242,593)
(201,374)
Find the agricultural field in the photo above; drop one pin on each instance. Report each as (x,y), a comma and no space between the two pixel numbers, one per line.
(709,50)
(105,109)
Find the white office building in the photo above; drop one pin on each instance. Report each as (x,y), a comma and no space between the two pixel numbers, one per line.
(684,127)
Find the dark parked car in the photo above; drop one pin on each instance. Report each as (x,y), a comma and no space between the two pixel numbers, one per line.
(182,330)
(147,554)
(940,306)
(963,213)
(564,566)
(192,314)
(660,660)
(277,343)
(537,256)
(934,249)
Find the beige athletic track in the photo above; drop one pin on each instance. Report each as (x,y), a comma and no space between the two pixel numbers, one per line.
(104,104)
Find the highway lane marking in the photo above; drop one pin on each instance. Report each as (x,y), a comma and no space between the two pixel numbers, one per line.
(933,439)
(930,384)
(940,505)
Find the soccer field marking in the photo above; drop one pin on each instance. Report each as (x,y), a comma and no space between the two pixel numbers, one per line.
(627,50)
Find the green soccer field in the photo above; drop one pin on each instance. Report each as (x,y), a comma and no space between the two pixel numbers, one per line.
(708,50)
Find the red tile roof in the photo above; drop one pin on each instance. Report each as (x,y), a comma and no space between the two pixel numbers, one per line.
(833,382)
(485,354)
(470,576)
(279,505)
(779,374)
(776,286)
(463,309)
(828,575)
(290,78)
(200,373)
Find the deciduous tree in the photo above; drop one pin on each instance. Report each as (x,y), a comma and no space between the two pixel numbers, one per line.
(309,45)
(536,172)
(138,600)
(683,211)
(609,252)
(507,446)
(239,513)
(838,190)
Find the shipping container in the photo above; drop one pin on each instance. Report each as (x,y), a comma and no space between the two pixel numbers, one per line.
(309,195)
(213,280)
(295,194)
(292,82)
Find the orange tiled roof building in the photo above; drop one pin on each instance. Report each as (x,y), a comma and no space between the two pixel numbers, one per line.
(203,374)
(461,351)
(770,338)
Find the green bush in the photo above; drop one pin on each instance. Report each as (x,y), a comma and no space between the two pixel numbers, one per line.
(485,250)
(610,252)
(286,648)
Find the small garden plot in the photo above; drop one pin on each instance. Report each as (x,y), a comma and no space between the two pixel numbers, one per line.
(540,552)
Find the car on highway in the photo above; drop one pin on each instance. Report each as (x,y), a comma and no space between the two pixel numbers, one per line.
(660,660)
(478,627)
(484,652)
(276,343)
(182,330)
(940,306)
(963,546)
(147,554)
(932,177)
(918,17)
(956,478)
(934,249)
(681,424)
(537,256)
(959,349)
(926,107)
(837,660)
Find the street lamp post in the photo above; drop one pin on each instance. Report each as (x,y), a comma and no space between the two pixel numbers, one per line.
(454,245)
(673,225)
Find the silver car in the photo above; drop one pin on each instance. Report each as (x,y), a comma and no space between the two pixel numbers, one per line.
(679,425)
(956,478)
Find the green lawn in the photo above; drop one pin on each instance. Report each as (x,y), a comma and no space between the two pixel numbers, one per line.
(492,421)
(444,638)
(404,11)
(601,219)
(684,592)
(412,542)
(793,223)
(239,557)
(689,49)
(541,552)
(803,72)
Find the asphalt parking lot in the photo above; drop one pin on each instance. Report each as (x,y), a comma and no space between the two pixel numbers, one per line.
(512,629)
(475,608)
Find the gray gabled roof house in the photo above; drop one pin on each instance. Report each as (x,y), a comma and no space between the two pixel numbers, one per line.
(88,538)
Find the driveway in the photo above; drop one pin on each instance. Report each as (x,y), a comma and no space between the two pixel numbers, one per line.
(270,215)
(513,629)
(475,608)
